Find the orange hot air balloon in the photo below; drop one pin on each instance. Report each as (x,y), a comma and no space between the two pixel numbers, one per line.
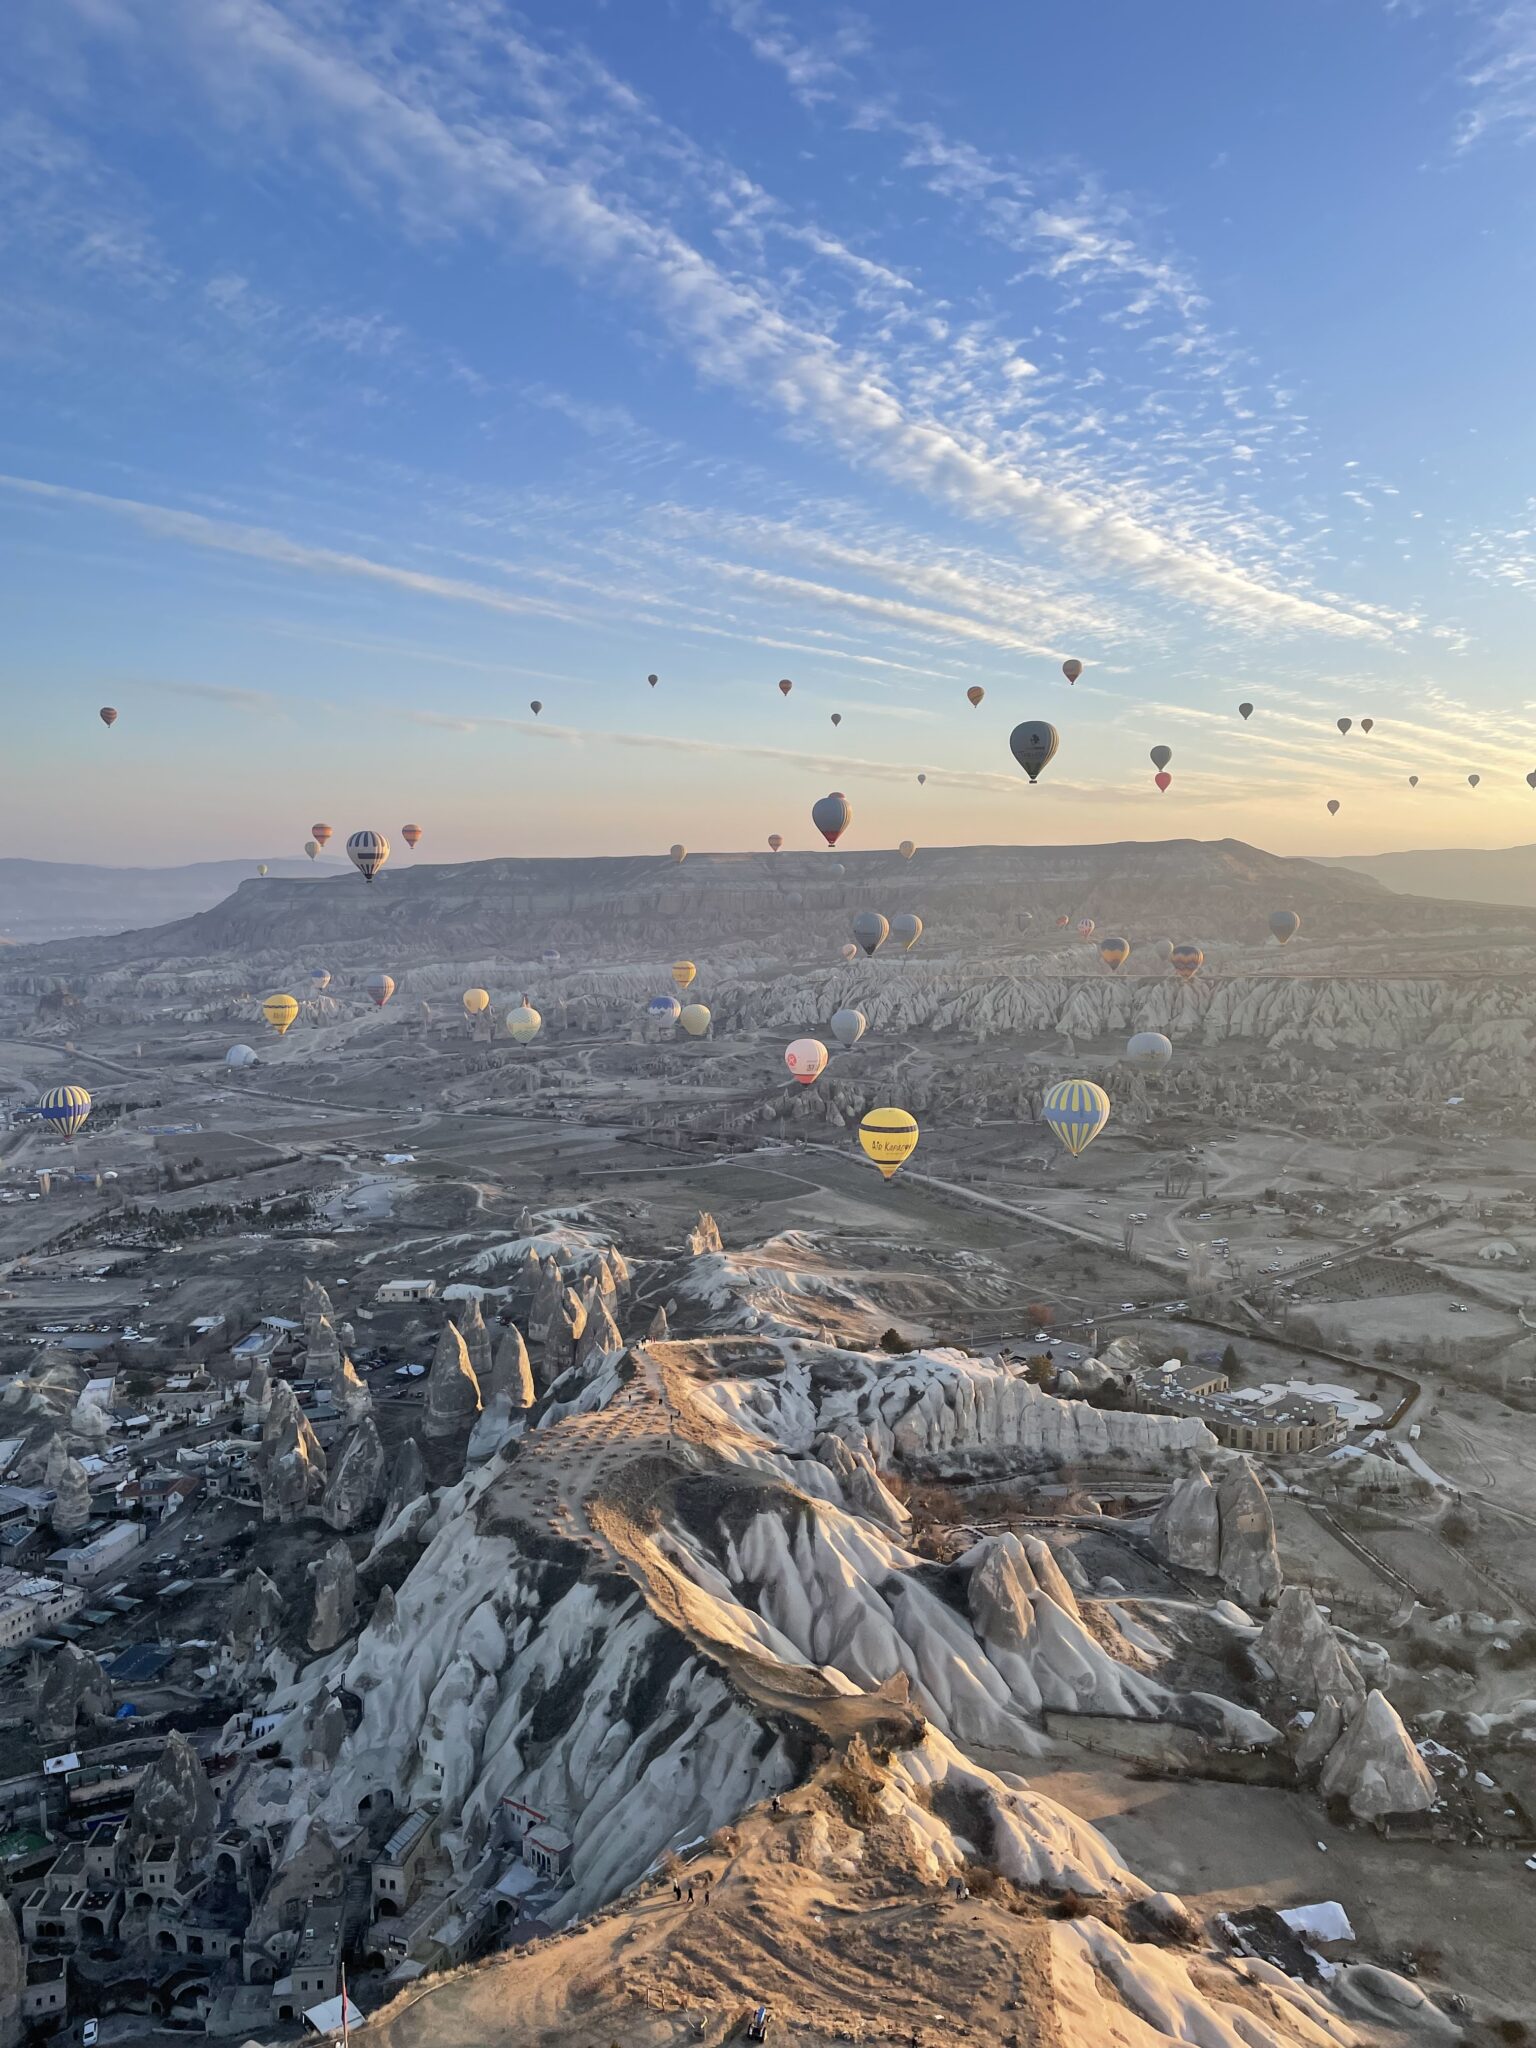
(1062,923)
(1187,961)
(1163,779)
(411,834)
(974,694)
(320,834)
(785,686)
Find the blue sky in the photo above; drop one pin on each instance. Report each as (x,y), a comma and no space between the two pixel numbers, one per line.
(373,369)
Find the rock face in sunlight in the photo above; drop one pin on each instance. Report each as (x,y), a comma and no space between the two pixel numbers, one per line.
(1307,1658)
(453,1406)
(1225,1530)
(290,1462)
(1374,1766)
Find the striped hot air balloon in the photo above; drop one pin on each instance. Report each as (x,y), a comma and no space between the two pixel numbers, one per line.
(367,852)
(889,1137)
(66,1108)
(321,834)
(411,834)
(1076,1111)
(380,987)
(1114,953)
(1187,960)
(280,1011)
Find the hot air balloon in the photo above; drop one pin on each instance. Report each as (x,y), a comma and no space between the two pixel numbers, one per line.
(1413,781)
(837,718)
(1163,950)
(411,834)
(653,681)
(907,848)
(550,956)
(240,1056)
(1333,807)
(1034,743)
(536,705)
(664,1008)
(849,952)
(67,1108)
(1071,670)
(1085,927)
(261,867)
(367,852)
(1245,711)
(1062,923)
(974,695)
(381,987)
(312,849)
(889,1138)
(1148,1050)
(1530,780)
(1344,724)
(1161,756)
(775,841)
(1285,924)
(1473,781)
(1076,1111)
(280,1011)
(1187,959)
(107,716)
(1163,780)
(1366,724)
(785,686)
(677,852)
(832,815)
(805,1059)
(906,929)
(871,931)
(1026,919)
(320,833)
(695,1020)
(683,972)
(524,1023)
(921,780)
(1114,953)
(849,1026)
(319,979)
(476,1000)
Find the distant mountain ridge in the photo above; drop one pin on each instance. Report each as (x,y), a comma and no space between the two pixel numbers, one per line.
(45,899)
(1459,874)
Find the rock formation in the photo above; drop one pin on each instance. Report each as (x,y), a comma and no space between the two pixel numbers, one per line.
(1187,1527)
(75,1687)
(509,1396)
(349,1392)
(13,1975)
(322,1361)
(657,1331)
(1226,1530)
(255,1618)
(599,1332)
(326,1732)
(1374,1766)
(290,1464)
(71,1508)
(860,1488)
(477,1338)
(1307,1658)
(453,1404)
(548,1292)
(314,1307)
(310,1868)
(704,1236)
(174,1802)
(257,1398)
(356,1488)
(334,1614)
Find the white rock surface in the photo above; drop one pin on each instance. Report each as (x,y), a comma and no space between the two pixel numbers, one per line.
(1374,1765)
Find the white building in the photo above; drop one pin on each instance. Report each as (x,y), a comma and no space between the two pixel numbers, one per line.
(406,1290)
(82,1563)
(30,1604)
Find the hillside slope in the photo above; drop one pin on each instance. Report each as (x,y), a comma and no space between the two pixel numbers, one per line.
(45,899)
(1461,874)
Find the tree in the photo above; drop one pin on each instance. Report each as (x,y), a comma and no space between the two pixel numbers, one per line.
(1230,1360)
(1042,1314)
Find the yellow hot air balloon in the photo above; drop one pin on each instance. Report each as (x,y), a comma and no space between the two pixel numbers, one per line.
(695,1020)
(1076,1111)
(524,1023)
(907,848)
(280,1011)
(66,1108)
(476,1000)
(889,1137)
(683,972)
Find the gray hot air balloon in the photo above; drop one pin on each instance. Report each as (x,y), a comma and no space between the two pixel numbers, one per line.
(1245,711)
(871,930)
(849,1026)
(1285,924)
(907,929)
(1333,807)
(1161,756)
(1530,780)
(1071,670)
(1149,1050)
(1344,724)
(1034,743)
(536,705)
(1366,724)
(1413,780)
(1163,949)
(921,780)
(831,815)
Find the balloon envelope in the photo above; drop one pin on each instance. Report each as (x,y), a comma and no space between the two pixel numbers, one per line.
(907,929)
(1413,781)
(1366,724)
(683,972)
(667,1007)
(1245,711)
(775,841)
(837,718)
(1114,953)
(107,716)
(805,1059)
(536,705)
(367,852)
(320,832)
(889,1137)
(240,1056)
(311,847)
(380,987)
(785,686)
(1163,950)
(1071,670)
(1085,927)
(475,1000)
(280,1011)
(870,930)
(1474,780)
(1076,1111)
(66,1108)
(1149,1050)
(849,952)
(907,848)
(524,1022)
(1034,744)
(411,834)
(1161,756)
(1285,924)
(320,979)
(678,852)
(695,1020)
(1333,807)
(975,694)
(1187,961)
(849,1026)
(1163,780)
(921,780)
(653,681)
(831,815)
(262,869)
(1344,724)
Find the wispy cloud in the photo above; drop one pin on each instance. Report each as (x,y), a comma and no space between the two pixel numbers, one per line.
(1499,75)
